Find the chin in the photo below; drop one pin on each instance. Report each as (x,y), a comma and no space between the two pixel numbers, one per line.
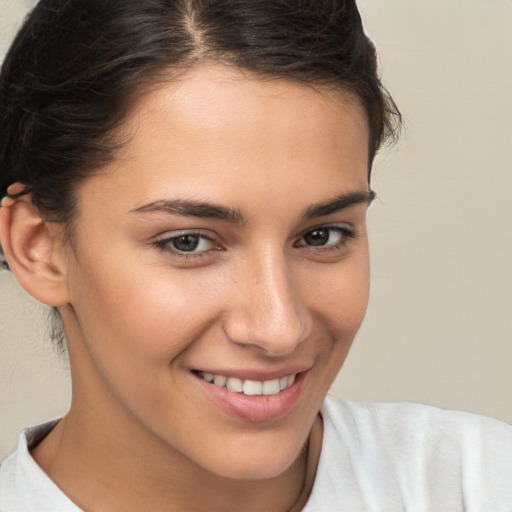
(254,471)
(255,463)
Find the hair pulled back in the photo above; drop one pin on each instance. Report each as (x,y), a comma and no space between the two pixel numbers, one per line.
(67,79)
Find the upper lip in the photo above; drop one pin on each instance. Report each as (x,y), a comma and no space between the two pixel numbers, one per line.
(254,374)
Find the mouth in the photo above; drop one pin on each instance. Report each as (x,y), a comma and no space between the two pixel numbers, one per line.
(250,399)
(249,387)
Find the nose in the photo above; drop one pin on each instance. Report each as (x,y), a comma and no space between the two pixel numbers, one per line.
(267,310)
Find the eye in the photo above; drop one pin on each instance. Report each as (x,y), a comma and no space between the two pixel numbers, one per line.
(190,243)
(326,237)
(187,243)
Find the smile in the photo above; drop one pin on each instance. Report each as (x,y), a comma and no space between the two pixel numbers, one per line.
(249,387)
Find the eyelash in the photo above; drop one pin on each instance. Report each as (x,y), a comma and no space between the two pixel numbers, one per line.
(346,234)
(167,244)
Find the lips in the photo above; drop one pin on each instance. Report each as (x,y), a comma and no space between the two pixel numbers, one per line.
(250,399)
(249,387)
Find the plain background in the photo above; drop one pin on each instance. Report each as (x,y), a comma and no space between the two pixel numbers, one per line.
(439,323)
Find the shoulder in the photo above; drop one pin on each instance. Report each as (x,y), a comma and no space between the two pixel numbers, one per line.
(414,457)
(409,430)
(24,487)
(413,419)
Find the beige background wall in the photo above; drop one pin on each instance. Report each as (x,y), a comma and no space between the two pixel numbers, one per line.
(439,324)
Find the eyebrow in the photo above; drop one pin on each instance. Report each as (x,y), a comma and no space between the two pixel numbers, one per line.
(191,208)
(206,210)
(339,203)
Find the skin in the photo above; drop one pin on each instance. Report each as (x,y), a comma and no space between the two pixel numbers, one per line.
(141,433)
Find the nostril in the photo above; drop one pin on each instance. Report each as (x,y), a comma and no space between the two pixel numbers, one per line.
(272,337)
(268,311)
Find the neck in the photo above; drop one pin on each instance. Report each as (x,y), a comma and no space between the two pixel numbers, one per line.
(103,468)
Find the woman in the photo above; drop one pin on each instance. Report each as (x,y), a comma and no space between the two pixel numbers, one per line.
(187,183)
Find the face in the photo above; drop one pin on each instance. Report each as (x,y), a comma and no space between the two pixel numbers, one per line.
(228,244)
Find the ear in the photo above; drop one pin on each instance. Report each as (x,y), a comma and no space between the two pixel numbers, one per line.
(34,250)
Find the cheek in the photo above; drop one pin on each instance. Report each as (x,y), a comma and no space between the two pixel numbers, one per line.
(339,302)
(135,327)
(339,296)
(147,316)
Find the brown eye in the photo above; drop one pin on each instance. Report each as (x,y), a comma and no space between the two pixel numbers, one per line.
(317,237)
(326,237)
(186,243)
(193,244)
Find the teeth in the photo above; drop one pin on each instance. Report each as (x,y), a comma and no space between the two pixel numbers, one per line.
(219,380)
(250,387)
(271,387)
(234,384)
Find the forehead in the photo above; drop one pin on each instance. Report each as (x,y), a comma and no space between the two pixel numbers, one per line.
(216,129)
(220,96)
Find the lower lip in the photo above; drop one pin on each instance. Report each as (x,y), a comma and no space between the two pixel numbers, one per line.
(259,408)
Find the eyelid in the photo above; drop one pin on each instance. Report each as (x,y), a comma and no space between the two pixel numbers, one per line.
(168,235)
(164,242)
(346,227)
(346,231)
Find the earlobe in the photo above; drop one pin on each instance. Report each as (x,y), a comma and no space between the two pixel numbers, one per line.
(34,250)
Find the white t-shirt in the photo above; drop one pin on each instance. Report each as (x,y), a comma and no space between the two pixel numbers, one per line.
(379,457)
(375,457)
